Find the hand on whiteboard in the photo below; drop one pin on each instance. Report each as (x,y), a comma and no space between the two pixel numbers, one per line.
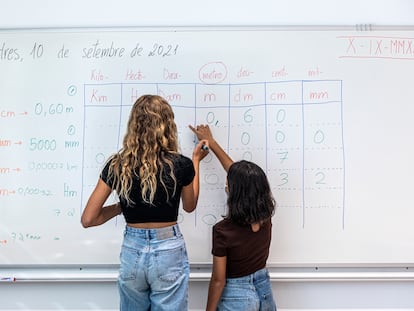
(202,132)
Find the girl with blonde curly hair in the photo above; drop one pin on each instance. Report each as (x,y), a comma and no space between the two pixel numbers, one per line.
(150,177)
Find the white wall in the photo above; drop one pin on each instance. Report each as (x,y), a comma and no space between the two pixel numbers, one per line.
(41,13)
(354,292)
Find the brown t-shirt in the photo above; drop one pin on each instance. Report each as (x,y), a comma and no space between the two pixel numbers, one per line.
(246,251)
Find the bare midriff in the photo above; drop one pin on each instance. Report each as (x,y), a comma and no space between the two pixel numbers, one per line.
(152,225)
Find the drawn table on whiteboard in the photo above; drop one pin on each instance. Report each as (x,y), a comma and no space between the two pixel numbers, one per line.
(292,129)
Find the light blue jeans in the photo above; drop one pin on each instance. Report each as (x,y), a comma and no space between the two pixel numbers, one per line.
(248,293)
(154,270)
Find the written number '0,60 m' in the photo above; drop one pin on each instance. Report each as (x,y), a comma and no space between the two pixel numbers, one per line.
(52,109)
(37,144)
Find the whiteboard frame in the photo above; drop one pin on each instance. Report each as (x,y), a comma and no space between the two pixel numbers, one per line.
(109,273)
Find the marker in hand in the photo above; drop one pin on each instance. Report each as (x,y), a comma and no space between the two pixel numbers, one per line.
(204,147)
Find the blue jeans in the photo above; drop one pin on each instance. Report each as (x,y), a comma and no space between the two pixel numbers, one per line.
(248,293)
(154,270)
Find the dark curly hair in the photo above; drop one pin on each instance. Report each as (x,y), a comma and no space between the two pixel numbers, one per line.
(250,198)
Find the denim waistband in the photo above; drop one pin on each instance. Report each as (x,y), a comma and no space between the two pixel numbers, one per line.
(257,276)
(158,233)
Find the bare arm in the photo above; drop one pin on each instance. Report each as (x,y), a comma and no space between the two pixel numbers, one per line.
(217,282)
(190,193)
(95,213)
(203,132)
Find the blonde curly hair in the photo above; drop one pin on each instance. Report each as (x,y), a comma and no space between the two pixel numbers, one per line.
(151,135)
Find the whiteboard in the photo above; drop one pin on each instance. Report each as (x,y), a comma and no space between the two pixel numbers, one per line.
(326,113)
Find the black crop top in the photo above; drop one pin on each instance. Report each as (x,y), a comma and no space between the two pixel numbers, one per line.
(161,210)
